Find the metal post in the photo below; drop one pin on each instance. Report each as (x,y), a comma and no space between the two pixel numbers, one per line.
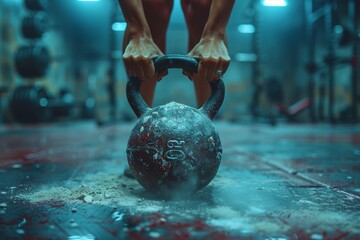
(112,66)
(1,54)
(1,37)
(353,16)
(311,67)
(331,58)
(322,92)
(256,71)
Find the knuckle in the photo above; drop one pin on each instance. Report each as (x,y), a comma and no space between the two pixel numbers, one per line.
(126,59)
(205,64)
(225,58)
(211,59)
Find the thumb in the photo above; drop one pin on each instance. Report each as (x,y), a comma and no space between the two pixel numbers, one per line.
(162,74)
(188,74)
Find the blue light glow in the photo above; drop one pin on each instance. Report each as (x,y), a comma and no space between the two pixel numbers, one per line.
(119,26)
(274,3)
(246,28)
(246,57)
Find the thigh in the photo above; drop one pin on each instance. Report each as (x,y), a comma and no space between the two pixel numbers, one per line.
(196,13)
(157,13)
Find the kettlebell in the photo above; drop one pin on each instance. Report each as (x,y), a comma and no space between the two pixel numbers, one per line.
(174,149)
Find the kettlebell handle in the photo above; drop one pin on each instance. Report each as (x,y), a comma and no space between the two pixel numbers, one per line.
(176,61)
(210,107)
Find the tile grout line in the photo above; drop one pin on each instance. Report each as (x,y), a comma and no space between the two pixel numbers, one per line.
(309,179)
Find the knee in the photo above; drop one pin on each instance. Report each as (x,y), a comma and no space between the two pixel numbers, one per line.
(166,7)
(160,9)
(196,14)
(200,4)
(197,9)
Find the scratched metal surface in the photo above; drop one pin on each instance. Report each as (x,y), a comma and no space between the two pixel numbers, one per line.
(287,182)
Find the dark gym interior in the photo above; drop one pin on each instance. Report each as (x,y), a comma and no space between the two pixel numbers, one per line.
(278,159)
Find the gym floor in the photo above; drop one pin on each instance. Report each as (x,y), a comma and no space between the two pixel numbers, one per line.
(65,181)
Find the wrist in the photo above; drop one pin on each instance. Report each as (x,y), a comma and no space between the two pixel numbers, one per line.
(216,33)
(213,36)
(138,31)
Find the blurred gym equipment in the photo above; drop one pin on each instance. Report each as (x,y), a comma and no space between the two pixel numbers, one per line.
(32,61)
(337,36)
(36,5)
(32,104)
(34,26)
(275,95)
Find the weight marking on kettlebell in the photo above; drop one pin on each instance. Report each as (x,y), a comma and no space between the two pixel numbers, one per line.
(175,144)
(175,153)
(218,156)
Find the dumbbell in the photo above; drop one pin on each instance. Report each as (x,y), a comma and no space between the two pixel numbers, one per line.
(34,26)
(32,104)
(36,5)
(32,61)
(3,90)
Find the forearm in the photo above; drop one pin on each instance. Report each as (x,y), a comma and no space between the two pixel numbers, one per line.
(135,18)
(218,18)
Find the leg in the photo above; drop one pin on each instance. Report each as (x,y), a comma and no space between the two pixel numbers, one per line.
(157,14)
(196,13)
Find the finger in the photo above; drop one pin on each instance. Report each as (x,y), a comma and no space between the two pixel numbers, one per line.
(132,68)
(210,66)
(148,68)
(138,69)
(219,70)
(161,74)
(127,63)
(225,65)
(187,73)
(202,71)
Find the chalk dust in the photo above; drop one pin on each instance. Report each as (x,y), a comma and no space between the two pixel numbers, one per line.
(103,189)
(267,226)
(224,211)
(328,219)
(117,190)
(227,217)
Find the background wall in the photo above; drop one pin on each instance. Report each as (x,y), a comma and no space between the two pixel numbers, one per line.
(85,29)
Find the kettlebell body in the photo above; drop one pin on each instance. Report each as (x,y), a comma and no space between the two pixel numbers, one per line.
(174,148)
